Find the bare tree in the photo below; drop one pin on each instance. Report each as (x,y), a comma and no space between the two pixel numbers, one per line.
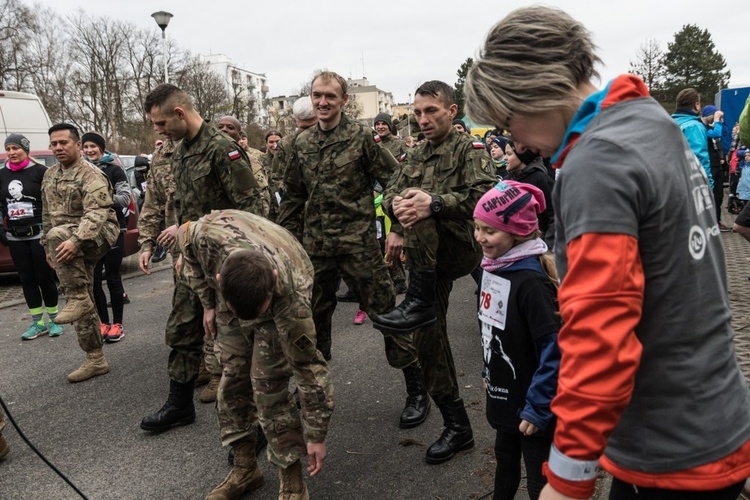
(17,23)
(210,96)
(649,65)
(52,63)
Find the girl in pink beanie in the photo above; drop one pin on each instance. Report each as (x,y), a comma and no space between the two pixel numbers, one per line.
(519,319)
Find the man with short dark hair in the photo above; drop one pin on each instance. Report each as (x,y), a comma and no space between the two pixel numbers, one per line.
(211,172)
(433,198)
(687,116)
(79,227)
(247,268)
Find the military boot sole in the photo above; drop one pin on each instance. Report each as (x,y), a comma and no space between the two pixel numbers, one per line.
(186,420)
(410,424)
(439,460)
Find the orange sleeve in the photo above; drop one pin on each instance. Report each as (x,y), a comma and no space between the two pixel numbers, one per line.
(601,299)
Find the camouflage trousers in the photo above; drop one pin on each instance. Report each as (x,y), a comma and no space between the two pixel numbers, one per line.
(257,366)
(186,338)
(367,275)
(77,278)
(450,249)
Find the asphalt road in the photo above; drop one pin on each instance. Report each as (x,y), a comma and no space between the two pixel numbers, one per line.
(91,430)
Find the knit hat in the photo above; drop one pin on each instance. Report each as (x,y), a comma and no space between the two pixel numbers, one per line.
(511,207)
(141,163)
(94,137)
(500,141)
(458,121)
(385,117)
(708,110)
(18,140)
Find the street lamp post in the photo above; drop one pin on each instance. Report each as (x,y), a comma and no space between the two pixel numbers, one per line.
(162,19)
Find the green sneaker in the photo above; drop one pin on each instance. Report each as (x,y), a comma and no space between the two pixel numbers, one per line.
(55,330)
(34,331)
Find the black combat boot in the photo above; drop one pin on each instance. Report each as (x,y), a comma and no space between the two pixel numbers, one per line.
(416,310)
(456,436)
(418,401)
(178,410)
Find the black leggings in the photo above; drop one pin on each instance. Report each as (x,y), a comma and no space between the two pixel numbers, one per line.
(625,491)
(509,447)
(112,261)
(37,278)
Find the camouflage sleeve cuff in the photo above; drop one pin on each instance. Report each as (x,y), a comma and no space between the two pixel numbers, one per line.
(315,435)
(76,241)
(147,246)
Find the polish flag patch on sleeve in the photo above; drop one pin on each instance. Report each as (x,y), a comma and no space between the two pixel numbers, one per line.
(376,137)
(477,145)
(234,155)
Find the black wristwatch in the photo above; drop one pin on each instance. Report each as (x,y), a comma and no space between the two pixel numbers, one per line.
(436,205)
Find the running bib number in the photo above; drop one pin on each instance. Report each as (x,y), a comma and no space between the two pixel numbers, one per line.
(20,210)
(493,300)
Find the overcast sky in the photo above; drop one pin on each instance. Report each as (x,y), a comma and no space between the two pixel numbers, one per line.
(398,45)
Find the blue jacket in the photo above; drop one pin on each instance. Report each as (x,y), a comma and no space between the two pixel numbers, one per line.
(695,133)
(743,188)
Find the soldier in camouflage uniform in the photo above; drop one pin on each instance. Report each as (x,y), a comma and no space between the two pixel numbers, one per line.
(210,172)
(385,128)
(304,117)
(329,195)
(433,197)
(232,127)
(272,139)
(79,227)
(158,212)
(268,350)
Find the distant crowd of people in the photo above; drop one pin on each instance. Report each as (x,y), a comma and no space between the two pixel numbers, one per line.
(589,218)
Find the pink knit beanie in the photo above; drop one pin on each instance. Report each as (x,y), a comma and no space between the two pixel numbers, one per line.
(511,207)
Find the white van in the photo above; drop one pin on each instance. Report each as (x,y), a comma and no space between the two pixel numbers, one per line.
(22,113)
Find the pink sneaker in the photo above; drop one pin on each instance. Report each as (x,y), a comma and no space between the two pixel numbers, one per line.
(360,317)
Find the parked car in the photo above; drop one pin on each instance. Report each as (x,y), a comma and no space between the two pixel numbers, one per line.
(22,113)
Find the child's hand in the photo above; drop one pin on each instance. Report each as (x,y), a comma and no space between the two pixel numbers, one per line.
(527,428)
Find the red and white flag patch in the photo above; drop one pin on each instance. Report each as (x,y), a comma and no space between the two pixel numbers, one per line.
(234,155)
(477,145)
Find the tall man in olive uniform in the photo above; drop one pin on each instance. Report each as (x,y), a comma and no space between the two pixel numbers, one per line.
(433,198)
(261,265)
(329,204)
(158,212)
(79,226)
(211,172)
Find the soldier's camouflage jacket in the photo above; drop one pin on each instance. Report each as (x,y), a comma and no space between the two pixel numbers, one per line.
(158,207)
(394,145)
(328,186)
(459,170)
(82,195)
(212,172)
(205,244)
